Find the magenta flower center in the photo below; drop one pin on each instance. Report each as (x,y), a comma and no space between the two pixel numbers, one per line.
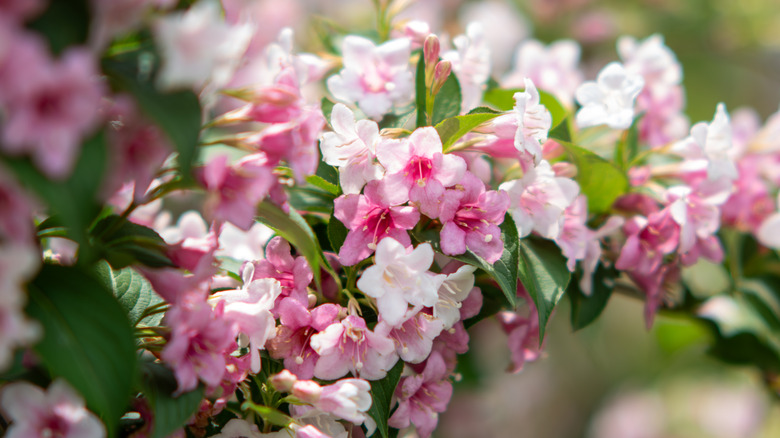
(418,170)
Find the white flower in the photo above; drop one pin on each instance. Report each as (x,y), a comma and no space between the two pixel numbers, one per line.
(708,147)
(454,289)
(552,68)
(650,58)
(198,46)
(610,100)
(376,78)
(533,121)
(399,278)
(471,64)
(351,148)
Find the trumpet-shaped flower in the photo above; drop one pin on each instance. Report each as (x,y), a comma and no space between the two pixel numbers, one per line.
(452,292)
(371,217)
(528,124)
(57,412)
(538,200)
(470,217)
(352,148)
(294,274)
(471,64)
(414,336)
(418,167)
(348,399)
(376,78)
(399,278)
(610,99)
(708,147)
(699,221)
(349,346)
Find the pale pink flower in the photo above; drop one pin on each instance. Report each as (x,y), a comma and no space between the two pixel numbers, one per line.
(750,203)
(250,308)
(352,148)
(450,343)
(699,222)
(18,264)
(415,30)
(414,336)
(200,339)
(267,17)
(418,167)
(238,428)
(115,17)
(470,217)
(279,102)
(347,399)
(422,397)
(377,78)
(649,240)
(708,147)
(190,240)
(768,233)
(243,245)
(503,23)
(471,64)
(453,291)
(19,11)
(553,69)
(16,211)
(610,99)
(527,125)
(198,46)
(370,217)
(294,141)
(294,274)
(234,191)
(57,412)
(137,150)
(400,278)
(538,200)
(293,335)
(349,346)
(51,106)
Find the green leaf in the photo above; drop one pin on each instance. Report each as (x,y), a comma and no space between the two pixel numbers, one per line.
(337,233)
(177,113)
(484,110)
(585,309)
(64,23)
(381,396)
(503,271)
(328,173)
(628,147)
(599,179)
(320,182)
(500,98)
(561,131)
(504,100)
(74,200)
(447,101)
(87,338)
(270,415)
(557,110)
(295,230)
(420,91)
(544,274)
(170,412)
(132,290)
(327,107)
(125,243)
(452,129)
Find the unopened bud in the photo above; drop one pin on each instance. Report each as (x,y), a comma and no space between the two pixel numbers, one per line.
(431,49)
(283,381)
(307,390)
(443,70)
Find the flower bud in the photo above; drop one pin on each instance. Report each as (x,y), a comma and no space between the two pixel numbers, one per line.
(284,381)
(443,70)
(431,49)
(307,390)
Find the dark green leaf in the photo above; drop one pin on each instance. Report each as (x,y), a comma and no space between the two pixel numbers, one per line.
(585,309)
(447,101)
(64,23)
(295,230)
(328,173)
(484,110)
(132,290)
(87,338)
(178,113)
(746,348)
(452,129)
(125,243)
(381,395)
(74,200)
(599,179)
(544,274)
(762,297)
(337,233)
(420,91)
(170,412)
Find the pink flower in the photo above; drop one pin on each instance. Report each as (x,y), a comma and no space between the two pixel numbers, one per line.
(709,147)
(57,412)
(649,240)
(399,278)
(376,78)
(370,218)
(414,337)
(16,211)
(294,141)
(470,217)
(349,346)
(418,167)
(471,64)
(18,264)
(277,103)
(528,124)
(250,308)
(553,68)
(699,221)
(235,190)
(454,290)
(347,399)
(200,339)
(50,105)
(522,329)
(243,245)
(294,274)
(293,335)
(116,17)
(20,11)
(422,397)
(137,149)
(751,202)
(352,148)
(538,200)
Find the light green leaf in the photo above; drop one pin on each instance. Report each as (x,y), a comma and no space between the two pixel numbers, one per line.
(452,129)
(87,338)
(544,274)
(269,415)
(599,179)
(381,396)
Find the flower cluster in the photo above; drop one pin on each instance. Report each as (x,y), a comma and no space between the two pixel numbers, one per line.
(351,211)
